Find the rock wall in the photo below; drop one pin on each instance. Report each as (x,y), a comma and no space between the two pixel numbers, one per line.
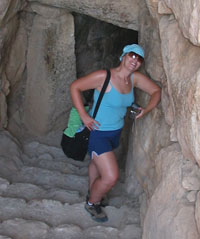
(40,68)
(165,145)
(166,142)
(51,66)
(8,24)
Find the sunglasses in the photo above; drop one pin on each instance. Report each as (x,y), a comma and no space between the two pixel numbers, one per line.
(135,56)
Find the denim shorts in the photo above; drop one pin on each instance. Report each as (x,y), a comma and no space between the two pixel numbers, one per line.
(103,141)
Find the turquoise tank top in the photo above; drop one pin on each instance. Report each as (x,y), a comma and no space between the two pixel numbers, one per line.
(113,108)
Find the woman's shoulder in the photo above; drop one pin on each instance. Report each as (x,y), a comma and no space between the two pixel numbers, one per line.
(100,73)
(139,76)
(95,79)
(99,76)
(94,76)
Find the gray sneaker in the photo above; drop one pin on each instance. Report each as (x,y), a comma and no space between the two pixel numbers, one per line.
(96,212)
(103,202)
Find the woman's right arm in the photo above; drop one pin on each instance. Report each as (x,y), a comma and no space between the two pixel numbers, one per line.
(87,82)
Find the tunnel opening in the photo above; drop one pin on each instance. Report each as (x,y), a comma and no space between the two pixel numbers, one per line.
(98,44)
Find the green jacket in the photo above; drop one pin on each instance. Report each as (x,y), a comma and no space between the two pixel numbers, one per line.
(74,122)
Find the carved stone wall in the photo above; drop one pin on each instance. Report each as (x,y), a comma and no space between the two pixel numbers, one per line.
(165,145)
(166,142)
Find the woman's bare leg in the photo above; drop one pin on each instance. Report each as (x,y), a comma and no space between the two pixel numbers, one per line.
(93,174)
(107,167)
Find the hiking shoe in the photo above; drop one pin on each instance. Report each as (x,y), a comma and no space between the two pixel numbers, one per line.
(96,212)
(103,202)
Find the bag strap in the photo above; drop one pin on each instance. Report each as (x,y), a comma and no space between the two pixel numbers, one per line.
(102,93)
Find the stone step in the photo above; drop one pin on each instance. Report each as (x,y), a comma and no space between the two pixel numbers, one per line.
(24,229)
(51,179)
(28,229)
(5,237)
(35,151)
(29,192)
(54,213)
(46,161)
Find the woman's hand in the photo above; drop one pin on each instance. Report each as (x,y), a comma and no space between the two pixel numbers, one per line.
(141,114)
(90,123)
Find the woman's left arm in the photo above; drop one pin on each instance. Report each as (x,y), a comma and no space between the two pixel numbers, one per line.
(143,83)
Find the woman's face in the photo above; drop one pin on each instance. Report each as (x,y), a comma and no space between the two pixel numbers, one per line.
(133,60)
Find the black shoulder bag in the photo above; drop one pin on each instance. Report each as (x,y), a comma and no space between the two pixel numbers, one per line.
(77,146)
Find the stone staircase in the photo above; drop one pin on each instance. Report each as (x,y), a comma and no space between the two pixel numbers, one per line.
(42,196)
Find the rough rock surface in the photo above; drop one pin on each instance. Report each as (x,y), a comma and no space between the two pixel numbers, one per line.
(50,56)
(123,13)
(184,115)
(188,18)
(168,200)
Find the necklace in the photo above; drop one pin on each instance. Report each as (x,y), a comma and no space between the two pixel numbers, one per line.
(126,81)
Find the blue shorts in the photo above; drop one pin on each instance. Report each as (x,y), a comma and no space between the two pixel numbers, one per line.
(103,141)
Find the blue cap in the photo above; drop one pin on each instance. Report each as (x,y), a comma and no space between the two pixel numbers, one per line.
(132,48)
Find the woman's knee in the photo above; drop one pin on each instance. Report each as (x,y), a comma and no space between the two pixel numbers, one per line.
(111,179)
(108,168)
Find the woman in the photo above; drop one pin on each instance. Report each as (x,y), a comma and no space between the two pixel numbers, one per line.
(107,126)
